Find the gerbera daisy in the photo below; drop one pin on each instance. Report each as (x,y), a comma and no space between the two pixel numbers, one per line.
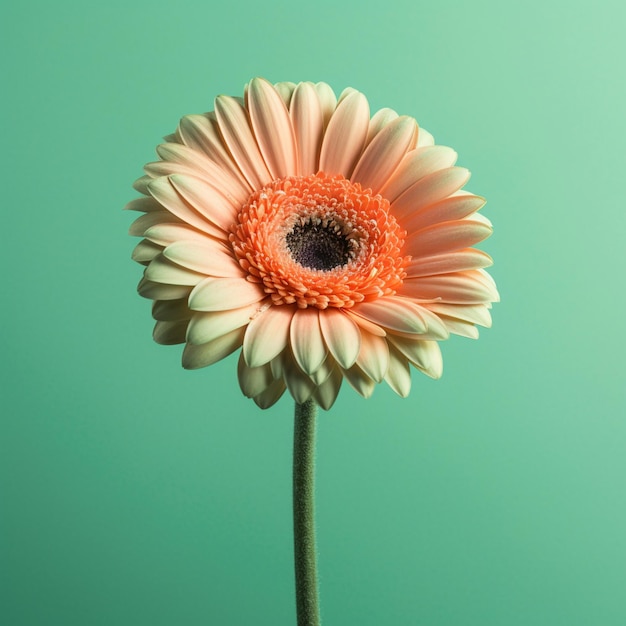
(325,243)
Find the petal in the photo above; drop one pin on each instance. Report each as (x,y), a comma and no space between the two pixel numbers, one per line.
(342,336)
(300,386)
(365,324)
(267,335)
(308,123)
(326,394)
(171,310)
(467,259)
(379,120)
(145,205)
(398,375)
(207,326)
(285,90)
(162,270)
(463,329)
(384,153)
(459,288)
(392,313)
(223,294)
(450,209)
(179,159)
(166,234)
(141,225)
(272,127)
(306,340)
(345,135)
(474,314)
(253,380)
(208,353)
(170,333)
(359,381)
(233,122)
(373,357)
(425,355)
(160,291)
(206,200)
(164,192)
(271,395)
(424,138)
(141,184)
(427,190)
(209,257)
(145,251)
(200,133)
(446,237)
(328,101)
(415,165)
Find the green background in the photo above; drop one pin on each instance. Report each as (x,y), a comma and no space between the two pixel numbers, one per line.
(135,493)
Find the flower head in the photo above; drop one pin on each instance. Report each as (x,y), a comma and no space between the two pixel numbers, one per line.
(324,243)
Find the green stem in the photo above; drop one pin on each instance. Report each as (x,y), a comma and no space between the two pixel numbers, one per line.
(307,601)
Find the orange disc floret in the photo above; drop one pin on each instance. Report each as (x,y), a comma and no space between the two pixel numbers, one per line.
(319,241)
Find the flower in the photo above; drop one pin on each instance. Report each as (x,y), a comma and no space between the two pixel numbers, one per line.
(324,243)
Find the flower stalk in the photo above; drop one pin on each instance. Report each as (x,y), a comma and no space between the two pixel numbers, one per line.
(305,556)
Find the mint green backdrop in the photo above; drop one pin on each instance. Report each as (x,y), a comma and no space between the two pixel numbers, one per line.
(134,493)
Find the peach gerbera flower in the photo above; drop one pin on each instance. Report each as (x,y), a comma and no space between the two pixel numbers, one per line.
(324,243)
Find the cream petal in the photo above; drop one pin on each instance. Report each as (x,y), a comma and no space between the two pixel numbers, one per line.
(458,288)
(326,394)
(180,159)
(224,294)
(359,381)
(373,357)
(473,313)
(271,395)
(393,314)
(379,120)
(345,135)
(141,184)
(306,339)
(467,259)
(415,165)
(462,329)
(398,375)
(428,190)
(300,386)
(170,333)
(143,223)
(450,209)
(210,325)
(272,127)
(160,291)
(446,237)
(308,123)
(253,380)
(209,257)
(208,353)
(145,251)
(145,205)
(206,199)
(164,192)
(342,336)
(365,324)
(267,335)
(327,367)
(200,133)
(383,155)
(425,355)
(233,122)
(424,138)
(166,234)
(171,310)
(328,101)
(285,90)
(162,270)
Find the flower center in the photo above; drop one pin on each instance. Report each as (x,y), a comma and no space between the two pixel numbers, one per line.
(319,244)
(319,241)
